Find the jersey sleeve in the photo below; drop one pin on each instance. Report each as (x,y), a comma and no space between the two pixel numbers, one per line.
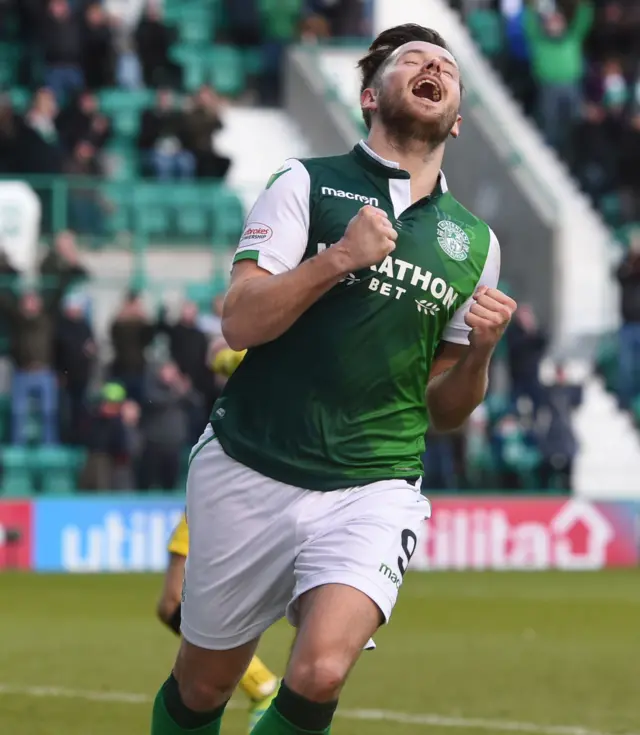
(457,330)
(277,229)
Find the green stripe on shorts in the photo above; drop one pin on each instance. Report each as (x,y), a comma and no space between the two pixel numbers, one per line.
(195,451)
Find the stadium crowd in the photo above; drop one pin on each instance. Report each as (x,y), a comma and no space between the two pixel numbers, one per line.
(575,67)
(134,416)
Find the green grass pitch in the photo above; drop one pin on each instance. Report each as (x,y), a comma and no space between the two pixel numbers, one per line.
(466,653)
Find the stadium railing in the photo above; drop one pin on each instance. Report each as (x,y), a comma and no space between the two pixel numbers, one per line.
(206,213)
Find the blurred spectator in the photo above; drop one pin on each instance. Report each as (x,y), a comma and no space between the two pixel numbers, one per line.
(526,344)
(630,154)
(83,121)
(348,18)
(131,334)
(111,442)
(599,133)
(188,347)
(98,48)
(126,13)
(515,453)
(517,66)
(154,40)
(10,137)
(86,204)
(243,22)
(211,323)
(61,265)
(165,427)
(556,43)
(439,463)
(124,16)
(32,323)
(160,140)
(76,355)
(62,46)
(201,123)
(40,151)
(615,32)
(314,29)
(557,442)
(628,275)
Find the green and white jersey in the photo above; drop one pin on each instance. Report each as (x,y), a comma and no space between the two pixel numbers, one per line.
(339,399)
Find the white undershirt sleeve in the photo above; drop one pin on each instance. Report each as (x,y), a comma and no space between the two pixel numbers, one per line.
(457,330)
(277,228)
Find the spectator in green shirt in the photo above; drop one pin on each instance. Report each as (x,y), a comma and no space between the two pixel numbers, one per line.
(556,45)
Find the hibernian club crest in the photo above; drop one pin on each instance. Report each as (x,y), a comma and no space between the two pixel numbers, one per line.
(453,240)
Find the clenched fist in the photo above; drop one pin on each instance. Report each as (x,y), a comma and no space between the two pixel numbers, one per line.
(369,238)
(488,317)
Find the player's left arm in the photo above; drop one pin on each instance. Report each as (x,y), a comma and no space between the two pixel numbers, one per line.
(460,371)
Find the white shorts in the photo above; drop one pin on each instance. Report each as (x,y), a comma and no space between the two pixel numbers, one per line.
(256,545)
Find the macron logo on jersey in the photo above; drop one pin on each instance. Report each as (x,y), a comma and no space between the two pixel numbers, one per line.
(329,192)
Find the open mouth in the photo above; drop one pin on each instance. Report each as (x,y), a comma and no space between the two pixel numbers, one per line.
(428,89)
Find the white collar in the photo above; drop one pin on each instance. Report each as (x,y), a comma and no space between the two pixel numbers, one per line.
(394,164)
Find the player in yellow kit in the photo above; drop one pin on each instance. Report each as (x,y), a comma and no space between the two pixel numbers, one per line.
(258,683)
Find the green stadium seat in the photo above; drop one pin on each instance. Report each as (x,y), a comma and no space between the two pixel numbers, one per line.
(194,31)
(226,70)
(20,99)
(152,208)
(10,54)
(480,464)
(281,18)
(228,216)
(625,233)
(635,409)
(18,478)
(253,61)
(114,99)
(176,11)
(119,196)
(124,159)
(607,361)
(610,206)
(194,65)
(221,66)
(125,107)
(5,418)
(201,294)
(57,467)
(486,28)
(193,210)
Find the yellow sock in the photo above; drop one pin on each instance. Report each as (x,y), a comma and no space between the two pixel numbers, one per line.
(258,682)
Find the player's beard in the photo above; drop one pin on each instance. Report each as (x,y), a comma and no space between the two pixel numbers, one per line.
(405,128)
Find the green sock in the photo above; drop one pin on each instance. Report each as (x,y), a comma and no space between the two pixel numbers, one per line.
(273,723)
(193,723)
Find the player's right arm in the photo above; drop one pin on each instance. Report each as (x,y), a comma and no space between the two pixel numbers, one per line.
(271,286)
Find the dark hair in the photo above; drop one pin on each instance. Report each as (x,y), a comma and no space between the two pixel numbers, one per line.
(384,45)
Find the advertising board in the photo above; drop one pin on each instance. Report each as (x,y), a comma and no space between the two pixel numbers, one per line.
(103,534)
(15,534)
(528,533)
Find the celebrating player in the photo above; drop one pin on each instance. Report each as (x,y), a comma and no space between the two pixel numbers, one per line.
(366,297)
(258,683)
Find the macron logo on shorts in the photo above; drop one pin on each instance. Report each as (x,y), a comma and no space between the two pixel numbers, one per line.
(329,192)
(388,572)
